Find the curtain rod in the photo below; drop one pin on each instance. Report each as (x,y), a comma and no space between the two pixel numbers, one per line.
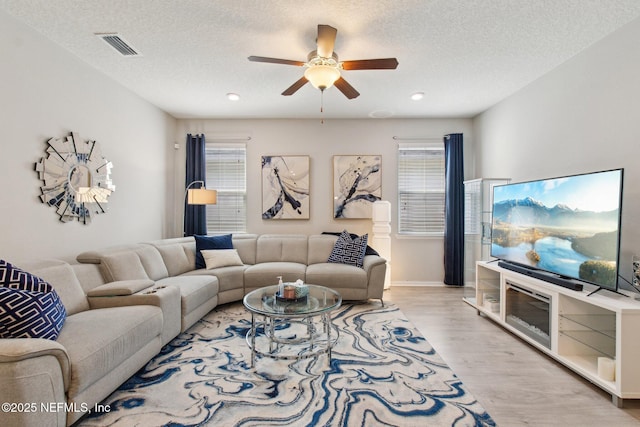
(240,138)
(400,138)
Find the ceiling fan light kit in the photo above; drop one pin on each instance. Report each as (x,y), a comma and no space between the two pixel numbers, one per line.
(323,67)
(322,72)
(322,76)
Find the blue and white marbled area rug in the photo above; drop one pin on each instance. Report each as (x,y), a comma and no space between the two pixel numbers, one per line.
(383,372)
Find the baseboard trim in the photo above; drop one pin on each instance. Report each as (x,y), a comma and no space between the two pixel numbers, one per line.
(416,284)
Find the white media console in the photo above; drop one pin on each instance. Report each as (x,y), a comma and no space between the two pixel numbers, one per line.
(597,335)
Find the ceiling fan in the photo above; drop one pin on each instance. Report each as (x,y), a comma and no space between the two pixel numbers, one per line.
(323,66)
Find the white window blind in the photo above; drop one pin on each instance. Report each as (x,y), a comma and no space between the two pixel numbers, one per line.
(472,207)
(227,173)
(421,189)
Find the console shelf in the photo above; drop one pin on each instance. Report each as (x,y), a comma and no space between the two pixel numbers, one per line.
(583,330)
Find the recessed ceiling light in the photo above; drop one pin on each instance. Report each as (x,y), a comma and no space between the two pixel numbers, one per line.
(233,97)
(417,96)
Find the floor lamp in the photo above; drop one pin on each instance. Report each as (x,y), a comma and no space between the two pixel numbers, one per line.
(198,196)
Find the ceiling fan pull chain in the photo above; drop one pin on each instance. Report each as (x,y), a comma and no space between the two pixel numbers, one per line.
(322,106)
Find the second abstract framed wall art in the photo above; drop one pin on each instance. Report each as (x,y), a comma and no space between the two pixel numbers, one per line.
(285,187)
(357,183)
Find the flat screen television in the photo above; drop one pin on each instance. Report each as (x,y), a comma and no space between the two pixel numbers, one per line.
(566,227)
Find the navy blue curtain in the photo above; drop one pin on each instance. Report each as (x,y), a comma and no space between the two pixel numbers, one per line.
(195,216)
(454,210)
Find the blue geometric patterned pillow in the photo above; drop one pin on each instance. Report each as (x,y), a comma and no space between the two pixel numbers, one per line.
(349,251)
(29,306)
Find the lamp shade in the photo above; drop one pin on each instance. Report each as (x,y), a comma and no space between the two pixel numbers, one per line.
(201,196)
(322,76)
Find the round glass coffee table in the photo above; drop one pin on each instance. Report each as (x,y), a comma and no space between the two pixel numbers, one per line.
(291,329)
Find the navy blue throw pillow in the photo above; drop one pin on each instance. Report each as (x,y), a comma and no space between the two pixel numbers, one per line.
(210,242)
(29,306)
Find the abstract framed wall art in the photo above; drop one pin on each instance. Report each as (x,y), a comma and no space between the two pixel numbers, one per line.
(357,183)
(285,187)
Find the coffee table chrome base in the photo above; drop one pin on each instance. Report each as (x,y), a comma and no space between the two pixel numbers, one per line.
(276,338)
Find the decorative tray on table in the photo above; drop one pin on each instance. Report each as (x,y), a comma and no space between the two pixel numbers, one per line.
(285,299)
(292,292)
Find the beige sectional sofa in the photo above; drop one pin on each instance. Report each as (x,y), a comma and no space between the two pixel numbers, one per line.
(54,383)
(124,303)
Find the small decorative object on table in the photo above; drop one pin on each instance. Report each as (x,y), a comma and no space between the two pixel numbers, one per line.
(292,292)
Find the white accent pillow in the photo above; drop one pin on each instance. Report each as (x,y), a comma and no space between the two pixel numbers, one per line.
(214,258)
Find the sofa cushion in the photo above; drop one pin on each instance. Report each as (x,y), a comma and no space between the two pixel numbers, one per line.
(320,247)
(88,275)
(194,290)
(211,242)
(152,262)
(229,278)
(336,276)
(29,306)
(215,258)
(246,246)
(348,250)
(176,257)
(123,266)
(62,276)
(99,340)
(266,273)
(282,248)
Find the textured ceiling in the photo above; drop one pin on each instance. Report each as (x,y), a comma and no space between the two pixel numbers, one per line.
(465,55)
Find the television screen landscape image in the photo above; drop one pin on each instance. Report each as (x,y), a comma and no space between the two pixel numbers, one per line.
(569,226)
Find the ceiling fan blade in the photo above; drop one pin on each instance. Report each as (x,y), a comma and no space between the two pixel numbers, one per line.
(326,40)
(275,60)
(294,87)
(371,64)
(346,88)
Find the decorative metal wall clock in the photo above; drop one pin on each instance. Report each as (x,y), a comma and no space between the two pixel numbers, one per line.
(76,178)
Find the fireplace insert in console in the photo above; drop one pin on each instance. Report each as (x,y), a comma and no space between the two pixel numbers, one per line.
(529,312)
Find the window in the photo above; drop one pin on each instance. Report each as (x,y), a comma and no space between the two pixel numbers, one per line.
(472,207)
(421,189)
(226,173)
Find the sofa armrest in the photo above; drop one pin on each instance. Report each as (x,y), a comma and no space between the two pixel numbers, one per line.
(120,288)
(34,373)
(376,268)
(165,297)
(371,261)
(18,349)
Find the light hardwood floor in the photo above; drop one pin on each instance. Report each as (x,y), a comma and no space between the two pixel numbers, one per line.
(517,384)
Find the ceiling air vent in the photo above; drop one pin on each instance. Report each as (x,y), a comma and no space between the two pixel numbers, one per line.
(118,43)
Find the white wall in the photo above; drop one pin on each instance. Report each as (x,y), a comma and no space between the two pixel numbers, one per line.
(413,260)
(583,116)
(47,92)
